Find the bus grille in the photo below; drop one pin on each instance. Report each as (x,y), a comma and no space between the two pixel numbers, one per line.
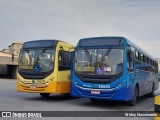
(102,93)
(36,88)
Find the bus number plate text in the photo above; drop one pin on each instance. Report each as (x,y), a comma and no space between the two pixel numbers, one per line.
(104,86)
(95,92)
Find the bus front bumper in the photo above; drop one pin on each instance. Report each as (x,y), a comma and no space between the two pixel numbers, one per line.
(108,94)
(53,87)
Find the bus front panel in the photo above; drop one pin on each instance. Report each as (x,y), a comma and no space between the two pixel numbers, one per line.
(101,74)
(38,69)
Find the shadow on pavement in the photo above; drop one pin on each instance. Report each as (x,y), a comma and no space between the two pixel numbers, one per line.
(52,97)
(119,104)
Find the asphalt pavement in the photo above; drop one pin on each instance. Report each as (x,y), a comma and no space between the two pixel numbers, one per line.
(11,100)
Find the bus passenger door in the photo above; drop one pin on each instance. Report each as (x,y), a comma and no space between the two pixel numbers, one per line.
(140,74)
(64,66)
(131,70)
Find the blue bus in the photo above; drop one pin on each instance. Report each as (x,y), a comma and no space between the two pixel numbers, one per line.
(112,68)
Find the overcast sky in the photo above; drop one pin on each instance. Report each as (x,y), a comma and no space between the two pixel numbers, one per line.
(70,20)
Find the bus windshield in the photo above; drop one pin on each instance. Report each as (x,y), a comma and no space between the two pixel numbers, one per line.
(99,61)
(38,60)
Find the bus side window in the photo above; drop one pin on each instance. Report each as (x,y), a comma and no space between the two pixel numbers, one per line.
(64,60)
(130,58)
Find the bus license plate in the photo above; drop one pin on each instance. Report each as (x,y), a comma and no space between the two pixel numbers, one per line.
(32,86)
(95,92)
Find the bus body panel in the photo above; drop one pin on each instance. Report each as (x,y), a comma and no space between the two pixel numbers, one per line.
(120,93)
(63,75)
(57,82)
(31,85)
(138,78)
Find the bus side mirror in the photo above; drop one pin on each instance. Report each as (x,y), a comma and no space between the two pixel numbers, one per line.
(72,49)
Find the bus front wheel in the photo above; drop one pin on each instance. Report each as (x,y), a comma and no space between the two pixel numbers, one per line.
(45,95)
(94,100)
(134,100)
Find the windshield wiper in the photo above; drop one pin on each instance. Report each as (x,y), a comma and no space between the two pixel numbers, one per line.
(88,56)
(43,51)
(37,57)
(106,54)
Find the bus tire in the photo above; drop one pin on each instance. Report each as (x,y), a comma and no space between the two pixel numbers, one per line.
(134,100)
(67,95)
(45,95)
(152,93)
(94,100)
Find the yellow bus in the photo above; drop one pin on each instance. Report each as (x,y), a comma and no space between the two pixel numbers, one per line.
(44,67)
(157,107)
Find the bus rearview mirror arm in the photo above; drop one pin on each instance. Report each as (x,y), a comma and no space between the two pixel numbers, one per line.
(130,70)
(72,49)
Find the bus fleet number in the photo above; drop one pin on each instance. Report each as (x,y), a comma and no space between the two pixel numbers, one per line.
(103,86)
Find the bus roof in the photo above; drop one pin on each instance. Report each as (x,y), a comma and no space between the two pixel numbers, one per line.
(100,41)
(139,49)
(40,43)
(105,41)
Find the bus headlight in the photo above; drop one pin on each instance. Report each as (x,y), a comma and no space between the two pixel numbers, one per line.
(18,79)
(75,83)
(121,84)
